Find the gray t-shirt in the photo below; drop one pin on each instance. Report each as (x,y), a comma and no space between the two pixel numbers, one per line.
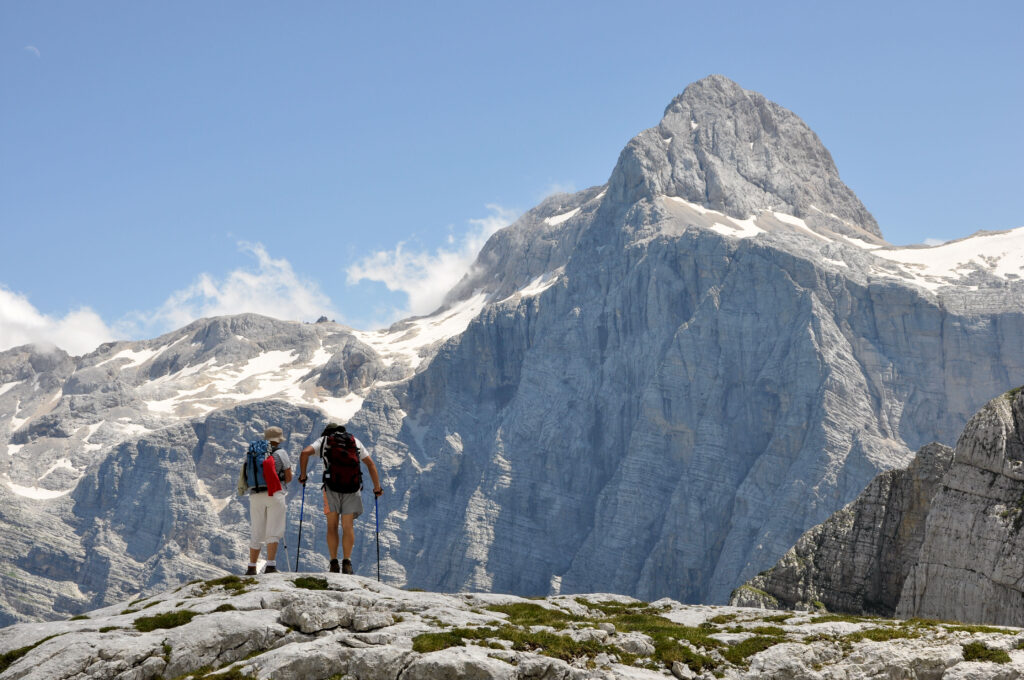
(281,463)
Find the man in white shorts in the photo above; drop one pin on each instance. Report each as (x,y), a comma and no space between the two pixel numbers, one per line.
(266,510)
(343,505)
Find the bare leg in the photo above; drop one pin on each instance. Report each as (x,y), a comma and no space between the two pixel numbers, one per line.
(271,551)
(332,534)
(348,534)
(254,555)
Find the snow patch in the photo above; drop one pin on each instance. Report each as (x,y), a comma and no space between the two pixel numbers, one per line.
(406,342)
(799,224)
(6,387)
(217,503)
(737,228)
(861,243)
(34,492)
(1001,254)
(134,357)
(558,219)
(696,207)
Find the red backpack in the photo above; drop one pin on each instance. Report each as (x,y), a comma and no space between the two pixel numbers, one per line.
(341,463)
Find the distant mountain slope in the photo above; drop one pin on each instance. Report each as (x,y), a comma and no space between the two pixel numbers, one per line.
(651,387)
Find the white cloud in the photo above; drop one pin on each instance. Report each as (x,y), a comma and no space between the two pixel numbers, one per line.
(33,49)
(271,288)
(79,332)
(426,277)
(933,241)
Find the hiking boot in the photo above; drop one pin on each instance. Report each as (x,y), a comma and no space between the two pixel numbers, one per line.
(335,569)
(270,570)
(346,566)
(251,571)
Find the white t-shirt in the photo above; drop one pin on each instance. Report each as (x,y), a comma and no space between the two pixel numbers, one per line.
(363,453)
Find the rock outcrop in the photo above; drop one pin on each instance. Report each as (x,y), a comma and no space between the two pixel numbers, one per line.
(971,564)
(858,560)
(322,626)
(940,539)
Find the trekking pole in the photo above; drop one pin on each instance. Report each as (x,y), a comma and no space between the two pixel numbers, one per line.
(284,538)
(302,511)
(376,517)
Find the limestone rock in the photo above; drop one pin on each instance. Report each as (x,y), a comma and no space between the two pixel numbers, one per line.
(317,613)
(857,560)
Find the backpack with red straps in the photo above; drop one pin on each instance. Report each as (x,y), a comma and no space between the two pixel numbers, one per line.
(341,462)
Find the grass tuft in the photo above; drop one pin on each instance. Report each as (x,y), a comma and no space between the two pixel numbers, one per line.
(226,608)
(146,624)
(967,628)
(8,658)
(881,634)
(977,651)
(741,651)
(311,583)
(236,585)
(527,614)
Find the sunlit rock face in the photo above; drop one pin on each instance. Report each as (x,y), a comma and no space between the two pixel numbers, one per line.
(940,539)
(650,387)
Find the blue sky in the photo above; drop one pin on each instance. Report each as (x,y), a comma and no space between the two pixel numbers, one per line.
(164,161)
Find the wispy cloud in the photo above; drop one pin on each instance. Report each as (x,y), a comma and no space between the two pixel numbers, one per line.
(78,332)
(933,241)
(559,188)
(271,288)
(32,49)
(426,277)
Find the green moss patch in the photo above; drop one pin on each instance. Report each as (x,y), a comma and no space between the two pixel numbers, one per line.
(964,628)
(613,608)
(881,634)
(236,585)
(977,651)
(8,658)
(311,582)
(740,652)
(527,614)
(146,624)
(841,618)
(226,608)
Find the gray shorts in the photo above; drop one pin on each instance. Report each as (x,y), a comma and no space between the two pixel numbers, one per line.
(343,503)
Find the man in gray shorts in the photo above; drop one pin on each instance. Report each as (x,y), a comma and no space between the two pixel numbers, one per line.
(337,504)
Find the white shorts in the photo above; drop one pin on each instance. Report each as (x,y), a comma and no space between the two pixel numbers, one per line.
(266,517)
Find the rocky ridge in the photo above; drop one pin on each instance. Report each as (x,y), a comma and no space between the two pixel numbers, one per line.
(325,626)
(938,539)
(682,369)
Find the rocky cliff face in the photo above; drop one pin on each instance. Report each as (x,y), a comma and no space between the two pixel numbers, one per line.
(970,564)
(940,539)
(858,560)
(651,387)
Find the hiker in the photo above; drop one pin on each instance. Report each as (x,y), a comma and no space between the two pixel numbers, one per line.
(341,454)
(265,472)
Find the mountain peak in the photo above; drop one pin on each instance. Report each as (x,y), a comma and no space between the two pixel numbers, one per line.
(733,150)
